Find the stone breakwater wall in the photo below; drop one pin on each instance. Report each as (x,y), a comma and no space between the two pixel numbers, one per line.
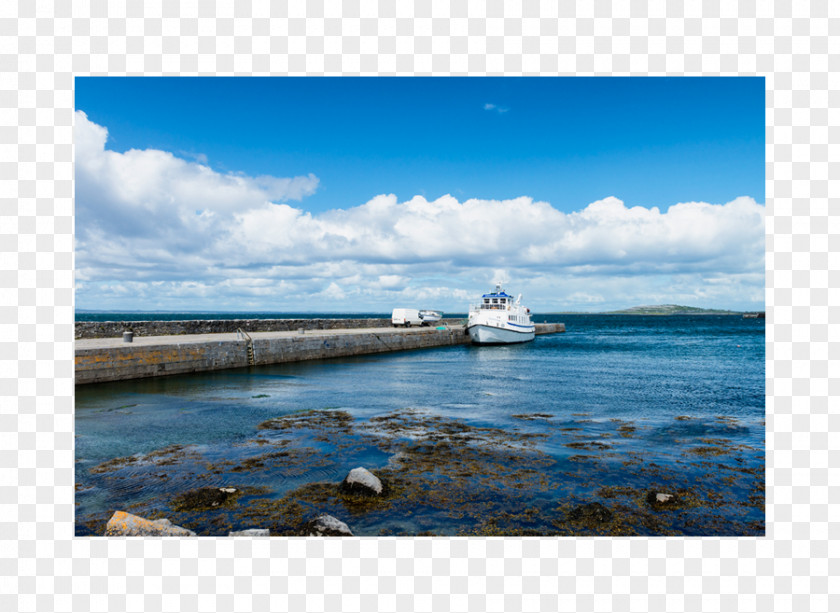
(100,360)
(135,360)
(114,329)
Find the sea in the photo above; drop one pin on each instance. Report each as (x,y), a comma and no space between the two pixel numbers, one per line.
(622,425)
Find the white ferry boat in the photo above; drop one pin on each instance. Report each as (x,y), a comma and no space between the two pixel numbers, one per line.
(499,320)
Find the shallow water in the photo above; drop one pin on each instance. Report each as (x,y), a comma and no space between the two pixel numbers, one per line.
(601,404)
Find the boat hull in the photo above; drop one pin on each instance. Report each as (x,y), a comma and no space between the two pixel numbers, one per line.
(492,335)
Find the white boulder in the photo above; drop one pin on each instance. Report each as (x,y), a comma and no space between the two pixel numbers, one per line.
(361,480)
(326,525)
(250,532)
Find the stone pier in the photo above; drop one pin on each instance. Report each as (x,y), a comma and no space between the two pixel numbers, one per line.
(112,359)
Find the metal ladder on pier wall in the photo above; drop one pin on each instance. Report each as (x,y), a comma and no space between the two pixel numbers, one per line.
(249,348)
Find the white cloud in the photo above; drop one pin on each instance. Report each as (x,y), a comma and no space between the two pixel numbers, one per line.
(151,192)
(393,282)
(201,158)
(333,292)
(213,240)
(494,107)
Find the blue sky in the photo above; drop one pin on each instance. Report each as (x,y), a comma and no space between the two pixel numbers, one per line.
(312,159)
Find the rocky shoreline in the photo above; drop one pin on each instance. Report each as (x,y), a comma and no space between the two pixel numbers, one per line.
(442,476)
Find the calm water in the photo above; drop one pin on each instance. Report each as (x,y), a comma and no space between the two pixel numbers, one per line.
(638,371)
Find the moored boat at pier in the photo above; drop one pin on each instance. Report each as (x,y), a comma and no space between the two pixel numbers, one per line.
(500,320)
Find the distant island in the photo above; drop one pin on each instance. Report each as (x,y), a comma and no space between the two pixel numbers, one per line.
(665,309)
(671,309)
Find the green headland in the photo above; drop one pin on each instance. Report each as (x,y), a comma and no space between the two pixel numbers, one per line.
(663,309)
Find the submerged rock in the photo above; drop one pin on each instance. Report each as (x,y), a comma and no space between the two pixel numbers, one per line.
(126,524)
(662,500)
(362,481)
(325,525)
(594,512)
(532,416)
(205,498)
(250,532)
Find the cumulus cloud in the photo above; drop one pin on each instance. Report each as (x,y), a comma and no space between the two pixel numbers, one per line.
(234,241)
(149,192)
(606,235)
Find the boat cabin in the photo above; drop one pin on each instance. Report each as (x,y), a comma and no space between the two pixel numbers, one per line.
(496,300)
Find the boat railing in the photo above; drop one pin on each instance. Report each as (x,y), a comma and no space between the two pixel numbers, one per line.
(488,307)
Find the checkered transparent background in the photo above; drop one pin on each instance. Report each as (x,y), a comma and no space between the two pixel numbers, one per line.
(43,45)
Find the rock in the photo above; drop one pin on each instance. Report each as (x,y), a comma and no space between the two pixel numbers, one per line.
(250,532)
(594,512)
(325,525)
(362,481)
(205,498)
(126,524)
(662,500)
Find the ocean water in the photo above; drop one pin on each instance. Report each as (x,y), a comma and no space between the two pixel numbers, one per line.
(482,440)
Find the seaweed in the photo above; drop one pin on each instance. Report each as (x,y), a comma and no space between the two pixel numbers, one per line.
(447,476)
(206,498)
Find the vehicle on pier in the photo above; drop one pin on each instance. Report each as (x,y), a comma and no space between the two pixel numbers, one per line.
(406,317)
(430,317)
(414,317)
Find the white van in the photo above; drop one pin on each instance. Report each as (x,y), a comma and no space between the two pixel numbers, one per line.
(406,317)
